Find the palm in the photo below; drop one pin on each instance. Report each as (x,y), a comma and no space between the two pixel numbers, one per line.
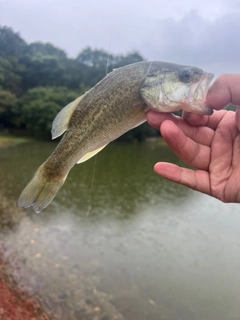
(209,144)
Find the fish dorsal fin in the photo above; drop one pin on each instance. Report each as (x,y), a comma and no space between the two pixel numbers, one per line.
(60,123)
(90,154)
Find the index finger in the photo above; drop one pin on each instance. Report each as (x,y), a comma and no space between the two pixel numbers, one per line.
(201,134)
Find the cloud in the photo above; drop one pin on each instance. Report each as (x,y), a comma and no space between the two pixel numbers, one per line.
(205,34)
(196,40)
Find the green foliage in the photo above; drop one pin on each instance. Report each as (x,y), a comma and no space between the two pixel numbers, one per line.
(46,49)
(37,80)
(7,104)
(93,58)
(41,70)
(40,105)
(11,44)
(95,64)
(10,78)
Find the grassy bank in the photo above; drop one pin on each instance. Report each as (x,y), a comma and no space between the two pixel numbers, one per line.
(8,140)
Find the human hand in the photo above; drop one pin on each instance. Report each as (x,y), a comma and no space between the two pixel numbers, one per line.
(210,144)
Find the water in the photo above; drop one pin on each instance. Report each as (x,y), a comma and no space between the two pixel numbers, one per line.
(149,249)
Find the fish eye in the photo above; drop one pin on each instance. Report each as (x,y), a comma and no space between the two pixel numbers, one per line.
(186,76)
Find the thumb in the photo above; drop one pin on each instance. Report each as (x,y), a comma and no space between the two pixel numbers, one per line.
(219,95)
(223,91)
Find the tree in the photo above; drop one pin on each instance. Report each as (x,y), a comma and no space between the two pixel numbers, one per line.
(39,106)
(41,70)
(38,79)
(94,64)
(10,78)
(46,49)
(11,44)
(7,104)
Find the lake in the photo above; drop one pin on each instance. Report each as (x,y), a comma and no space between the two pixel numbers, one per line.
(119,242)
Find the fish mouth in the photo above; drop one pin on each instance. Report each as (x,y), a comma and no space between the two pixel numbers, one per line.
(198,93)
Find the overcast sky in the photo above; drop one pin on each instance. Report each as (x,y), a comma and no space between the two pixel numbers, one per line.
(203,33)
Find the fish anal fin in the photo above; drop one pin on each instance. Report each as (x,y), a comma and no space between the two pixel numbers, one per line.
(140,122)
(60,123)
(90,154)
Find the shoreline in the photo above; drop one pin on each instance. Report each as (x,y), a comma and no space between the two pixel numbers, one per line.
(10,140)
(15,303)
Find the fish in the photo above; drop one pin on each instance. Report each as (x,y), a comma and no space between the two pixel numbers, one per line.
(115,105)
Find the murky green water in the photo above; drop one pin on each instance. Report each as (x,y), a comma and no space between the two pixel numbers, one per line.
(124,244)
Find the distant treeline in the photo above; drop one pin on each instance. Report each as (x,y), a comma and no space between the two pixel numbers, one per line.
(38,79)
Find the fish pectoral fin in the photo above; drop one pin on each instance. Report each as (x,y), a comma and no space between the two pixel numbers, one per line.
(60,123)
(90,154)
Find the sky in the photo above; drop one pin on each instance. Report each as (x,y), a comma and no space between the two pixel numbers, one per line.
(203,33)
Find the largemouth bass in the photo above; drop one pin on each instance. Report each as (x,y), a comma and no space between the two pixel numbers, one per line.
(115,105)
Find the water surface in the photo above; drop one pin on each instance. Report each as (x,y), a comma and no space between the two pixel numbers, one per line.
(124,243)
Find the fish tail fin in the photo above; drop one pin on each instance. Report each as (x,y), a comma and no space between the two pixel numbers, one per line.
(40,191)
